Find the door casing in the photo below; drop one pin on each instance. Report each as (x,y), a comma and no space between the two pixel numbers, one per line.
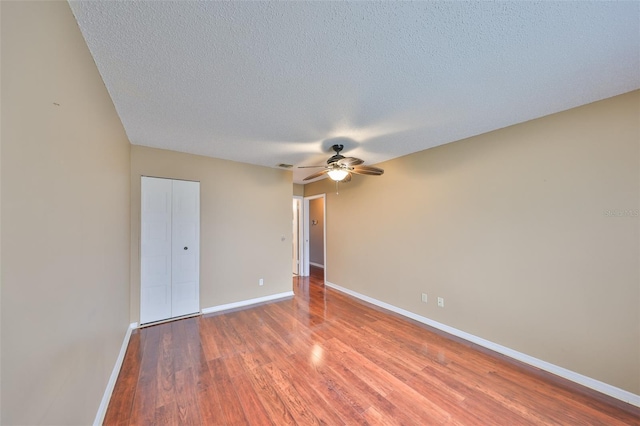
(169,249)
(298,232)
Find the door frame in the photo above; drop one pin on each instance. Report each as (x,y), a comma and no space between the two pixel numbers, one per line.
(300,201)
(140,200)
(305,270)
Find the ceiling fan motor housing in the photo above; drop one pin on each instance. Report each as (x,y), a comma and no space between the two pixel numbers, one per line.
(337,149)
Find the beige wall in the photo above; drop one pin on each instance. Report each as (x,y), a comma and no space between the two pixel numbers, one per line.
(511,228)
(245,211)
(65,221)
(316,232)
(298,190)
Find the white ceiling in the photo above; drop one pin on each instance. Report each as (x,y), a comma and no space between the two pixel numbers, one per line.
(276,82)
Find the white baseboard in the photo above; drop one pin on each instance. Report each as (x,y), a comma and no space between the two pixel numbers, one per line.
(249,302)
(102,410)
(317,265)
(597,385)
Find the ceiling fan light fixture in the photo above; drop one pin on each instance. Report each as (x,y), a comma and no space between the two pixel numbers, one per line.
(338,174)
(341,168)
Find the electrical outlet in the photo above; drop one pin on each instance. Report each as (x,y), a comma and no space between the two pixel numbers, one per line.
(261,281)
(424,297)
(441,302)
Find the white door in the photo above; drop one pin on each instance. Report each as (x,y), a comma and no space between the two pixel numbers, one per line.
(155,250)
(170,249)
(296,238)
(186,248)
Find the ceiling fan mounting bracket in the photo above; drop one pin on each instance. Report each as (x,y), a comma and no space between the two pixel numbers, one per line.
(337,148)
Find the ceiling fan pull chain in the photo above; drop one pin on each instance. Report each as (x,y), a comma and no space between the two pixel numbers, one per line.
(337,186)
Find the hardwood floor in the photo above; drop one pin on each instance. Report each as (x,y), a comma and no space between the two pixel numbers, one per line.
(326,358)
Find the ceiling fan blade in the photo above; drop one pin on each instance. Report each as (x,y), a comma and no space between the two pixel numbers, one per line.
(367,170)
(350,161)
(309,167)
(315,175)
(346,179)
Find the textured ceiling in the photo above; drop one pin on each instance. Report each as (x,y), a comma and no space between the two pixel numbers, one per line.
(276,82)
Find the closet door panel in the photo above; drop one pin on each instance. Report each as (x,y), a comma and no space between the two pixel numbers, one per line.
(185,272)
(155,248)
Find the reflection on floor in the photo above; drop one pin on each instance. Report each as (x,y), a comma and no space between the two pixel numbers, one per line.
(323,357)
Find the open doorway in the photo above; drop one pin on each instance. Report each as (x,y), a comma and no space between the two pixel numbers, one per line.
(314,214)
(316,232)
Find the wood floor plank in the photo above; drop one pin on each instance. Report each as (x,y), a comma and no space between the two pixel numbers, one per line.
(166,414)
(207,397)
(323,357)
(119,409)
(271,336)
(230,406)
(144,402)
(435,385)
(254,411)
(314,375)
(209,337)
(254,358)
(165,369)
(271,400)
(380,380)
(379,417)
(186,398)
(303,411)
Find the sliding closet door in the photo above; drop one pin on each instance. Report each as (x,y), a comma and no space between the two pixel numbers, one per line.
(170,249)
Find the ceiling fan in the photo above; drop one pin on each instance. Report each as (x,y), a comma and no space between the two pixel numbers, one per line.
(339,168)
